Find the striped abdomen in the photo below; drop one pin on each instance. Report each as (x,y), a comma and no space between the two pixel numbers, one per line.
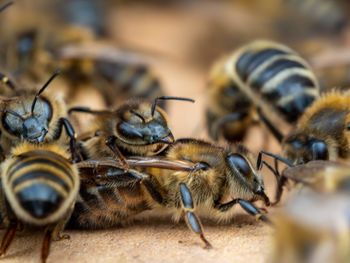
(279,75)
(40,186)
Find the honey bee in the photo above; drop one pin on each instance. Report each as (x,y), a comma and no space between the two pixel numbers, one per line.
(276,79)
(135,128)
(229,112)
(207,179)
(36,120)
(312,228)
(119,75)
(325,15)
(319,175)
(40,186)
(322,133)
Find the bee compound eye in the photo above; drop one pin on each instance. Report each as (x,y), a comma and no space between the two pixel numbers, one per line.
(238,162)
(319,150)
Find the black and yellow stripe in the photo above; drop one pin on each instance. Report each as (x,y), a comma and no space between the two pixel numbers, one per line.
(40,181)
(279,75)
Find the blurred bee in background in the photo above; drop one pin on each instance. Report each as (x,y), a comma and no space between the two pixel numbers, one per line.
(324,15)
(319,175)
(229,111)
(278,81)
(322,133)
(40,185)
(135,128)
(34,117)
(210,181)
(312,228)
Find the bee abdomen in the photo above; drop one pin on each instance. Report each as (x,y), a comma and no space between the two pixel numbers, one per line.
(281,77)
(40,182)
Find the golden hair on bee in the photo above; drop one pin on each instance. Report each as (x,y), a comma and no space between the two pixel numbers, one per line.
(40,185)
(192,177)
(36,118)
(321,132)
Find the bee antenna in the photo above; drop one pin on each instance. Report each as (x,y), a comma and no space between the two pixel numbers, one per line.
(54,75)
(2,8)
(168,98)
(138,115)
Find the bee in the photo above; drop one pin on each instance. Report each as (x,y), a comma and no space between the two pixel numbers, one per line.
(319,175)
(192,177)
(312,227)
(119,74)
(229,111)
(280,84)
(325,15)
(40,185)
(36,119)
(322,133)
(135,128)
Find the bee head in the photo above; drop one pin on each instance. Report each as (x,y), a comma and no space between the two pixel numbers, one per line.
(145,123)
(29,122)
(302,149)
(243,171)
(137,126)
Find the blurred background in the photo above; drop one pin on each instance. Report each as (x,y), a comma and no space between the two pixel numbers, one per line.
(178,41)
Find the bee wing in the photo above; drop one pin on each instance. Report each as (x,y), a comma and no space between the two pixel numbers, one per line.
(104,52)
(107,171)
(307,173)
(162,162)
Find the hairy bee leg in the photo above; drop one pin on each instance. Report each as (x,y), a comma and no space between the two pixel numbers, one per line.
(45,248)
(279,191)
(191,218)
(111,143)
(8,237)
(253,210)
(72,135)
(217,125)
(59,228)
(247,206)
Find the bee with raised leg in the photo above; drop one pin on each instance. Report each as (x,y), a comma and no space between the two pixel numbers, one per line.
(135,128)
(40,185)
(36,120)
(193,177)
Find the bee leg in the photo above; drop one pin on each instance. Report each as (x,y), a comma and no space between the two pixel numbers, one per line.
(191,218)
(8,237)
(72,135)
(253,210)
(247,206)
(59,227)
(218,124)
(273,129)
(45,248)
(111,144)
(279,191)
